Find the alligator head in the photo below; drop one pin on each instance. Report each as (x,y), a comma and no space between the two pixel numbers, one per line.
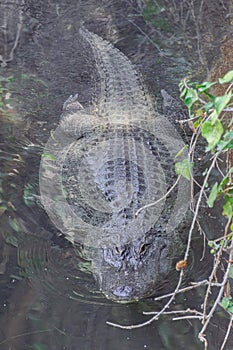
(137,270)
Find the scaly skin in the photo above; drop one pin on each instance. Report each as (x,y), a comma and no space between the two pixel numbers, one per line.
(112,159)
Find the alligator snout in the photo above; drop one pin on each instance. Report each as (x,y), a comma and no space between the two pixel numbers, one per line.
(123,291)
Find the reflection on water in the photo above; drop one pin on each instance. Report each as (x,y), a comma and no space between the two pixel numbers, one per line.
(48,297)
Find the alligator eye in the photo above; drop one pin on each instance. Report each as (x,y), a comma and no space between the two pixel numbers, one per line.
(143,249)
(119,251)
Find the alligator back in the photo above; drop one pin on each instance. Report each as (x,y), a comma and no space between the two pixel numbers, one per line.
(106,161)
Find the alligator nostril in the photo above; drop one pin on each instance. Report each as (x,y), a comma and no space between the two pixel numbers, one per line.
(123,291)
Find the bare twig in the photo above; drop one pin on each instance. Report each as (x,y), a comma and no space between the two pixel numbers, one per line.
(175,312)
(156,317)
(198,205)
(227,333)
(206,320)
(160,199)
(187,317)
(148,38)
(221,238)
(183,290)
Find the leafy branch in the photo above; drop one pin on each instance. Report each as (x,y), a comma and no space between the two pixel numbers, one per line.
(212,115)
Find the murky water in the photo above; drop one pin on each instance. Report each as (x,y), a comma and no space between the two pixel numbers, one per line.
(48,297)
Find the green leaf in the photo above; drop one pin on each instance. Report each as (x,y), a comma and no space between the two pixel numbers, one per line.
(14,224)
(210,244)
(231,227)
(213,195)
(12,240)
(213,117)
(228,209)
(181,151)
(227,141)
(48,156)
(197,122)
(208,105)
(226,301)
(231,272)
(221,102)
(190,98)
(229,196)
(199,112)
(230,309)
(223,182)
(228,78)
(205,86)
(216,246)
(212,133)
(184,168)
(183,91)
(210,96)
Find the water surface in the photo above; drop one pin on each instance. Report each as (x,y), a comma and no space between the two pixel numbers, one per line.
(48,297)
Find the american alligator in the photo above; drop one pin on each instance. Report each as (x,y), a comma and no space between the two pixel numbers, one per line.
(105,162)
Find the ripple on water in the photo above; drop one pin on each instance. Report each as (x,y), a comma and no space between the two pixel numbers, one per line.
(56,270)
